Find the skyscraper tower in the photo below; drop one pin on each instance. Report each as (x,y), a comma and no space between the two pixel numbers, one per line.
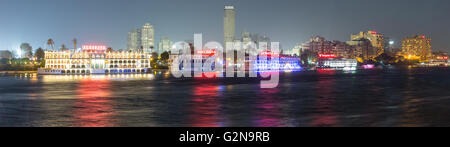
(134,40)
(229,24)
(147,38)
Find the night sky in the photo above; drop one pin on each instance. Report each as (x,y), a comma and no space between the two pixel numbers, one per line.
(286,21)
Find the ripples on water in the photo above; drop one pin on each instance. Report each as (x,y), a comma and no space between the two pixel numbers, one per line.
(394,97)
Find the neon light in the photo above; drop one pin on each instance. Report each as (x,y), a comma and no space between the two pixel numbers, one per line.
(207,52)
(368,66)
(373,32)
(326,70)
(269,54)
(423,36)
(97,48)
(283,64)
(327,56)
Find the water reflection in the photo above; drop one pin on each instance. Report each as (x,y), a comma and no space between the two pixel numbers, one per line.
(93,108)
(324,109)
(205,105)
(365,98)
(117,77)
(268,113)
(411,104)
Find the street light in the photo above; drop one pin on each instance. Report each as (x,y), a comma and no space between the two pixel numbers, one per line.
(391,42)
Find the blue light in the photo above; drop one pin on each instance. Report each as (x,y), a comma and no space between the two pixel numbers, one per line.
(286,64)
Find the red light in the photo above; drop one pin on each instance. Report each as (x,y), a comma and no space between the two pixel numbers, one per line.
(97,48)
(207,52)
(327,56)
(372,32)
(321,70)
(269,54)
(423,37)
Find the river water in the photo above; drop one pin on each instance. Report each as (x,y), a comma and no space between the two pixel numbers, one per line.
(390,97)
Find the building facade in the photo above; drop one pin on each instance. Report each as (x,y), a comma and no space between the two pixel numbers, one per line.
(134,41)
(344,50)
(147,38)
(164,45)
(319,45)
(417,47)
(376,39)
(229,24)
(363,48)
(5,54)
(142,39)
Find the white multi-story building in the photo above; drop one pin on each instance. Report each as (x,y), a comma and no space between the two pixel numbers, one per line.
(134,40)
(229,24)
(164,45)
(142,39)
(147,38)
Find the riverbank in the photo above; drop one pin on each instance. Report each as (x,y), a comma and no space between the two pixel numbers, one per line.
(17,72)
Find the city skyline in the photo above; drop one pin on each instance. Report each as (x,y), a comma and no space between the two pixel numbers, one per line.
(289,22)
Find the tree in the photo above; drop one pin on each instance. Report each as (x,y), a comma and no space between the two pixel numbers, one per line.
(165,56)
(50,43)
(154,56)
(63,47)
(75,42)
(26,50)
(154,59)
(386,58)
(110,49)
(40,54)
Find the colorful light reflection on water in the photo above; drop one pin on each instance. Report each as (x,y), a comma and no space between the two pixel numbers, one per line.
(93,108)
(205,106)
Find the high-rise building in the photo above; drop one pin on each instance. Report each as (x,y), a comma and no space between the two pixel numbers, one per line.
(147,38)
(416,47)
(246,39)
(229,24)
(363,48)
(318,45)
(164,45)
(342,49)
(134,40)
(376,39)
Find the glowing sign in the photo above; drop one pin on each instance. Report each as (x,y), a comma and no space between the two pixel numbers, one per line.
(423,36)
(327,56)
(269,54)
(97,48)
(372,32)
(207,52)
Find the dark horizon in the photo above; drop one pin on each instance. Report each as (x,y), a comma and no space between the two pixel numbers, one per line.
(287,21)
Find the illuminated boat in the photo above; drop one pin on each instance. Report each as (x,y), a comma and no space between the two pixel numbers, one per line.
(94,59)
(329,62)
(267,61)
